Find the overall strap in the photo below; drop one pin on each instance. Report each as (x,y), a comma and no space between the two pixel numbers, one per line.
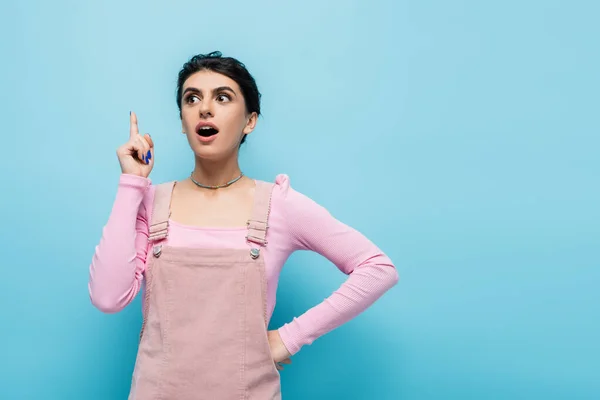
(161,211)
(259,223)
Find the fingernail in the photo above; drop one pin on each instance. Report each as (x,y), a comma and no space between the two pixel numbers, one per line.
(149,156)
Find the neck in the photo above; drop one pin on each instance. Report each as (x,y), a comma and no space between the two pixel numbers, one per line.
(214,173)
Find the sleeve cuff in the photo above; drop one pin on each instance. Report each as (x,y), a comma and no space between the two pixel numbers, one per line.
(289,339)
(134,181)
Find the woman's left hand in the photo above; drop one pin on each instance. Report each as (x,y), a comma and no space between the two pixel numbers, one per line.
(279,352)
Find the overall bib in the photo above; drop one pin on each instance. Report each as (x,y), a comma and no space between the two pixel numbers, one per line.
(204,330)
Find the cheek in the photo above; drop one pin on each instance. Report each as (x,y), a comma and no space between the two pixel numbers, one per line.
(187,117)
(232,121)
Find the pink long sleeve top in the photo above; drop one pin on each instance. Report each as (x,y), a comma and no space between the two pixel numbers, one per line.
(296,223)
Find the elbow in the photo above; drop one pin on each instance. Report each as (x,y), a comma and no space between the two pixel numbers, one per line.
(105,304)
(383,275)
(387,272)
(395,275)
(392,277)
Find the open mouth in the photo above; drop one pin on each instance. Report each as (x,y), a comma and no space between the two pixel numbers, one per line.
(207,131)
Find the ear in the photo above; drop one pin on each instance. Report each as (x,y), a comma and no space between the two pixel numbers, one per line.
(250,124)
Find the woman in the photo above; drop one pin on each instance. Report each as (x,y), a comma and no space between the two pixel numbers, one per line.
(208,251)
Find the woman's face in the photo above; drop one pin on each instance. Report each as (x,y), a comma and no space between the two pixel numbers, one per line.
(213,115)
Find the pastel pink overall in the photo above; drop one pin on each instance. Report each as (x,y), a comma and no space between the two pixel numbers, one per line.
(204,331)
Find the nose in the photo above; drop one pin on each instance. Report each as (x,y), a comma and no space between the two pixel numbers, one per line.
(205,109)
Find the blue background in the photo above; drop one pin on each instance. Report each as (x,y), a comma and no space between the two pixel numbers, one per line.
(462,137)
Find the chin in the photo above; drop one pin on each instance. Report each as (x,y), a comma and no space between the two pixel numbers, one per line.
(220,148)
(212,153)
(208,154)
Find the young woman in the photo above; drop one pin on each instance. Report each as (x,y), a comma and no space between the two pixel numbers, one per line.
(207,252)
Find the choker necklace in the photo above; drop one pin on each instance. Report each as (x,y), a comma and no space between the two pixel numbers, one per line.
(231,182)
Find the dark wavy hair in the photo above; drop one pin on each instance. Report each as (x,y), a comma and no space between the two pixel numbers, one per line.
(227,66)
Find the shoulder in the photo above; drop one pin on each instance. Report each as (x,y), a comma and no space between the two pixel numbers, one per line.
(282,190)
(144,188)
(158,196)
(287,199)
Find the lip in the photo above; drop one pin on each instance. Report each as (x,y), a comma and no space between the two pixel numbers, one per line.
(204,139)
(205,123)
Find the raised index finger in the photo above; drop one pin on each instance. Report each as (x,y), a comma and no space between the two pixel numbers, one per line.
(133,125)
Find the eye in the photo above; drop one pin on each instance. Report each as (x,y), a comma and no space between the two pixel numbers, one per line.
(223,98)
(190,98)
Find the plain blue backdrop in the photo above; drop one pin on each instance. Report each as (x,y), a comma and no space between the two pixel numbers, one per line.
(460,136)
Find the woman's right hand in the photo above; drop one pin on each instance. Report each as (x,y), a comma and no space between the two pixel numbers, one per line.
(137,155)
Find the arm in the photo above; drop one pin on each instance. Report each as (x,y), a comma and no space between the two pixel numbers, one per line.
(116,270)
(370,272)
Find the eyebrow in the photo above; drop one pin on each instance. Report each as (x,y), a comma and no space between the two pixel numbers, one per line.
(215,90)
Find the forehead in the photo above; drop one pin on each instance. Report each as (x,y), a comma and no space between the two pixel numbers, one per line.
(208,80)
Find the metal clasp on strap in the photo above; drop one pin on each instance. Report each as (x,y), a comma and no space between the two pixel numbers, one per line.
(258,225)
(256,239)
(257,231)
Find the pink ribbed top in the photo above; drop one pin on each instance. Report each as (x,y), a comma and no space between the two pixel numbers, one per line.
(296,223)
